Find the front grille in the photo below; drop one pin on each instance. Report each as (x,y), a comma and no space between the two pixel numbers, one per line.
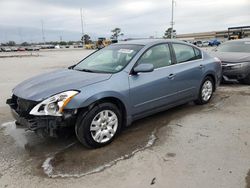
(23,106)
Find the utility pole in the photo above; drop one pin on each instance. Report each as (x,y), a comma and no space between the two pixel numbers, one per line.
(43,36)
(82,25)
(172,20)
(20,35)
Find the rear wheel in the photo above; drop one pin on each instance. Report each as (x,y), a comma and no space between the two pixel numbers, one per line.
(206,91)
(99,126)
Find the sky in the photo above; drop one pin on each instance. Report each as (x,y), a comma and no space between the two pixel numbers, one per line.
(21,20)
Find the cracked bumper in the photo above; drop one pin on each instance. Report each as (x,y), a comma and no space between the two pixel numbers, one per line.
(234,72)
(47,124)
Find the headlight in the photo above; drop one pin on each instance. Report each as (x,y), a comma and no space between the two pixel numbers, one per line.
(237,66)
(54,105)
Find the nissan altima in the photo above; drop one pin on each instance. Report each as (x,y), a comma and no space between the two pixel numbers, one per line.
(115,86)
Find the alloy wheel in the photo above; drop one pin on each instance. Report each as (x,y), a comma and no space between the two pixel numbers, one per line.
(207,90)
(104,126)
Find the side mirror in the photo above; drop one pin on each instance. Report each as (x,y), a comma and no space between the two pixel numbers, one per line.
(144,68)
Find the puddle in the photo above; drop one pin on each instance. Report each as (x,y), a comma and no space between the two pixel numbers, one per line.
(66,157)
(77,161)
(53,169)
(18,134)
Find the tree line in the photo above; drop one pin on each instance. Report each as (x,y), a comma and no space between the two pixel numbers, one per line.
(86,39)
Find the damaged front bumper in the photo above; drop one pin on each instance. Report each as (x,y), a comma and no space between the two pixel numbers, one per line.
(235,71)
(45,125)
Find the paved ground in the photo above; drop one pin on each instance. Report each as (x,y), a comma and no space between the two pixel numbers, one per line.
(188,146)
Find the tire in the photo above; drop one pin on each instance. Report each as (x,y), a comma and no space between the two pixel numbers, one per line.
(246,80)
(207,87)
(104,119)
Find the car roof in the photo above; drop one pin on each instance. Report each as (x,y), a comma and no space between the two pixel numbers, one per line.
(150,41)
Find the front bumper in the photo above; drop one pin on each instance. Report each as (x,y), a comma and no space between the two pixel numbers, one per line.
(235,71)
(49,125)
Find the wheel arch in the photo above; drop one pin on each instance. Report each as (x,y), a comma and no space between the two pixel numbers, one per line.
(211,75)
(114,99)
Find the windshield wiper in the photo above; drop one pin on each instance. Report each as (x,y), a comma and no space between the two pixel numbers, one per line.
(84,70)
(93,71)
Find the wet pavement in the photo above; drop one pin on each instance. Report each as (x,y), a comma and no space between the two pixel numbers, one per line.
(188,146)
(66,157)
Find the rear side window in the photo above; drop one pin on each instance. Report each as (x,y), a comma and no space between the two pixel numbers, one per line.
(158,55)
(197,53)
(186,53)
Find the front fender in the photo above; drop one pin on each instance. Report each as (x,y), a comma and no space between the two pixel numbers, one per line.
(102,95)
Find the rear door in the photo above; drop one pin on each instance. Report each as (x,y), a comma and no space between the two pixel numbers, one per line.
(189,70)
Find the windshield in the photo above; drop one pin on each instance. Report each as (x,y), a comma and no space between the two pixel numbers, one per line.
(242,46)
(111,59)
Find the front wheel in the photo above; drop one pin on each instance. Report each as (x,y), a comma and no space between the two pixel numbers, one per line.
(99,126)
(206,91)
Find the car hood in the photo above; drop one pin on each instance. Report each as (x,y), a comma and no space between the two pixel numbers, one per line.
(232,57)
(43,86)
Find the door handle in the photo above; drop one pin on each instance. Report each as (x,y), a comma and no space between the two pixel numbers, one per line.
(171,76)
(201,66)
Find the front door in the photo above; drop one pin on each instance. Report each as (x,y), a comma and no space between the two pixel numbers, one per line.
(153,89)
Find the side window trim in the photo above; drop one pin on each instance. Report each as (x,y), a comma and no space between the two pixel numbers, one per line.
(174,54)
(199,52)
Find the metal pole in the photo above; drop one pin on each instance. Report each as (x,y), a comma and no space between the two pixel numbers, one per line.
(20,35)
(82,25)
(43,36)
(172,20)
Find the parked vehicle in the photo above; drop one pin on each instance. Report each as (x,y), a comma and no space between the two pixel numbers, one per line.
(57,47)
(235,57)
(90,46)
(13,49)
(36,48)
(30,48)
(199,43)
(21,49)
(214,42)
(205,43)
(115,86)
(6,49)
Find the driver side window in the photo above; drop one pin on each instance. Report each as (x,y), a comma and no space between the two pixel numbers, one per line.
(158,55)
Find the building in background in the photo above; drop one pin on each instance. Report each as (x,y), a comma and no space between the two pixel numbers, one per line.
(231,33)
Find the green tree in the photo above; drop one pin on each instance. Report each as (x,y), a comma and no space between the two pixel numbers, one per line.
(11,43)
(116,33)
(167,34)
(62,43)
(25,44)
(86,39)
(70,42)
